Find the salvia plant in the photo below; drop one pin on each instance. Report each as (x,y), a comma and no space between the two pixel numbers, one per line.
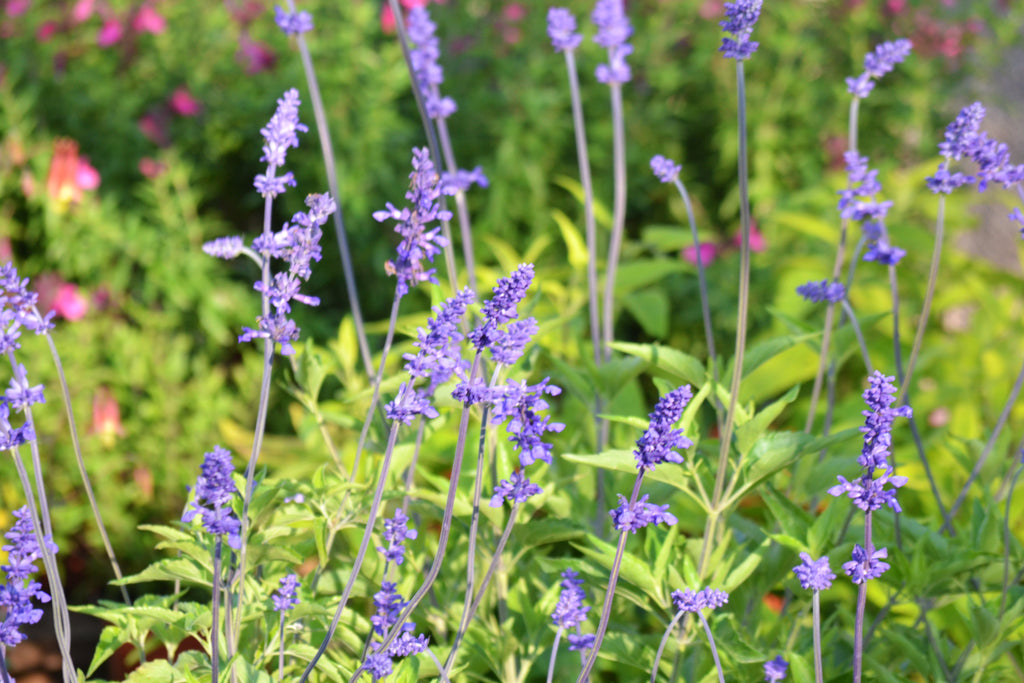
(481,498)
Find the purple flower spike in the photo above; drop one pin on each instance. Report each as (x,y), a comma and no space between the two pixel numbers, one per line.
(20,590)
(814,574)
(516,489)
(440,353)
(634,517)
(613,30)
(660,441)
(775,669)
(224,247)
(741,16)
(961,135)
(520,404)
(423,57)
(693,601)
(214,491)
(500,310)
(877,63)
(284,597)
(21,395)
(562,29)
(816,292)
(570,611)
(281,133)
(863,568)
(664,168)
(292,24)
(408,404)
(581,641)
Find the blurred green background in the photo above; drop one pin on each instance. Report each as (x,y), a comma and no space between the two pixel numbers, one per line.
(158,337)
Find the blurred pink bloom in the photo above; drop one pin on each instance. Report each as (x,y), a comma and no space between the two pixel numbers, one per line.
(16,8)
(154,126)
(148,20)
(896,6)
(412,4)
(87,177)
(253,55)
(387,20)
(110,33)
(757,243)
(46,31)
(6,252)
(106,417)
(514,11)
(82,10)
(711,9)
(708,253)
(245,11)
(69,303)
(183,104)
(150,168)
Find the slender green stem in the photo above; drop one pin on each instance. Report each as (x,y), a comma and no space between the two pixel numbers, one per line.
(461,208)
(848,310)
(327,149)
(364,433)
(618,216)
(714,650)
(862,599)
(1006,532)
(215,612)
(280,651)
(819,671)
(554,654)
(741,322)
(664,641)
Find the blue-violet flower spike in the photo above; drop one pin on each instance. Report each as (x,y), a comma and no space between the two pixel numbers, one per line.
(775,669)
(814,574)
(740,19)
(562,29)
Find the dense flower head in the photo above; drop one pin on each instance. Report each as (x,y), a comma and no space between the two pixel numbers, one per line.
(225,248)
(664,168)
(214,491)
(689,600)
(496,331)
(285,598)
(864,567)
(877,63)
(21,394)
(521,404)
(407,404)
(613,30)
(581,641)
(857,202)
(814,574)
(440,352)
(741,16)
(775,669)
(420,239)
(516,489)
(17,594)
(396,533)
(570,611)
(281,133)
(659,442)
(633,517)
(18,309)
(428,73)
(562,29)
(816,292)
(879,418)
(462,180)
(11,436)
(292,23)
(961,135)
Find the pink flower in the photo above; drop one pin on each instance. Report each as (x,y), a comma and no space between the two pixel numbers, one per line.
(183,104)
(708,253)
(17,7)
(711,9)
(148,20)
(69,302)
(87,177)
(154,126)
(253,55)
(757,243)
(106,417)
(82,10)
(515,11)
(6,252)
(46,31)
(387,20)
(110,33)
(151,168)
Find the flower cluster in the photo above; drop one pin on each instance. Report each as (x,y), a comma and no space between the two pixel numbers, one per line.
(428,73)
(420,240)
(390,603)
(562,29)
(869,492)
(501,332)
(279,135)
(740,19)
(857,202)
(17,594)
(877,63)
(814,574)
(613,30)
(285,598)
(462,180)
(664,168)
(775,669)
(440,350)
(693,601)
(963,138)
(816,292)
(214,491)
(18,310)
(632,518)
(570,612)
(292,23)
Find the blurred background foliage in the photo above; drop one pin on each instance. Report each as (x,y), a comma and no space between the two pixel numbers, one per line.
(169,114)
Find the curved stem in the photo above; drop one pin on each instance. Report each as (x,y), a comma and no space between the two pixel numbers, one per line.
(664,641)
(327,149)
(714,650)
(392,323)
(554,654)
(862,599)
(461,208)
(618,215)
(819,671)
(848,310)
(215,612)
(1006,533)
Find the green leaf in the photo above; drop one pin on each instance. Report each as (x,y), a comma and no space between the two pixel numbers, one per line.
(749,432)
(111,639)
(624,461)
(574,243)
(650,308)
(742,572)
(633,569)
(682,366)
(983,625)
(793,520)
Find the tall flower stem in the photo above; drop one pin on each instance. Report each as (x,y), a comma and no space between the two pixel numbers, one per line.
(461,208)
(618,215)
(428,127)
(714,650)
(1006,532)
(65,395)
(819,671)
(826,335)
(664,641)
(357,564)
(280,651)
(862,599)
(710,528)
(215,611)
(442,542)
(327,149)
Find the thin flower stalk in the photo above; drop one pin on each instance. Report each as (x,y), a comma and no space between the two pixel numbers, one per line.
(215,612)
(330,166)
(815,575)
(570,613)
(1007,538)
(690,601)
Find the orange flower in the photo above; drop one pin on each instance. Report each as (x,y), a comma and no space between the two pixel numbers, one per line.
(69,174)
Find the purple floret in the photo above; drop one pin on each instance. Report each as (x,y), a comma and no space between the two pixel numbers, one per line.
(285,598)
(562,29)
(634,517)
(775,669)
(741,16)
(862,568)
(292,23)
(689,600)
(570,611)
(817,292)
(516,489)
(814,574)
(664,168)
(659,442)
